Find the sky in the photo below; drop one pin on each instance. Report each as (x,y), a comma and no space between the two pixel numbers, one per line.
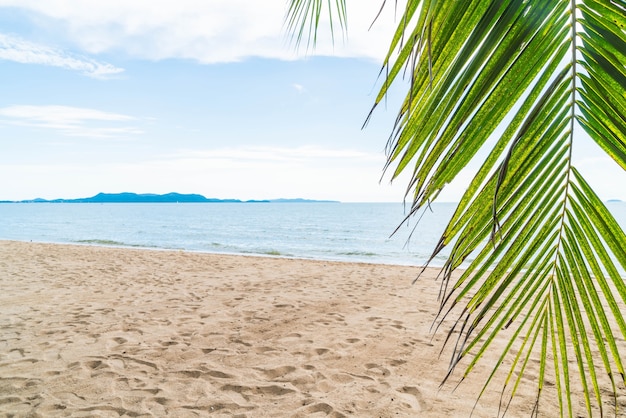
(201,96)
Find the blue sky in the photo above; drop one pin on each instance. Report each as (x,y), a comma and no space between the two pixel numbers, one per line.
(198,96)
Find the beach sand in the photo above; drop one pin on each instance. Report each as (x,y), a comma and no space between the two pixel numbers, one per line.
(96,331)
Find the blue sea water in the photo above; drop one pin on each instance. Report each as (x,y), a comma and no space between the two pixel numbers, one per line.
(328,231)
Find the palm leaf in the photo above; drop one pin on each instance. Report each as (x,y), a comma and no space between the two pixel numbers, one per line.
(525,81)
(304,16)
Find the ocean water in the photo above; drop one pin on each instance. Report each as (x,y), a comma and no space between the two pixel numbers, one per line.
(327,231)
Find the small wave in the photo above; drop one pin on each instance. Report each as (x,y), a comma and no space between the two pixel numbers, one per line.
(274,253)
(109,242)
(359,253)
(100,242)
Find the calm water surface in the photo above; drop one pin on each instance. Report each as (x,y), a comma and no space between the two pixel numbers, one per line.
(328,231)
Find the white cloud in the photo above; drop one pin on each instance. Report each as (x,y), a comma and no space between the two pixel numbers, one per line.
(70,121)
(13,48)
(208,31)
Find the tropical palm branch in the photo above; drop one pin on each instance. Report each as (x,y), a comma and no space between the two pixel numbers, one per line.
(525,80)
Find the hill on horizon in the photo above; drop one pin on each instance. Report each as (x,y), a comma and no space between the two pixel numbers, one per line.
(127,197)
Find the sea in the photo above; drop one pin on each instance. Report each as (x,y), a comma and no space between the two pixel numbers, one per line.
(355,232)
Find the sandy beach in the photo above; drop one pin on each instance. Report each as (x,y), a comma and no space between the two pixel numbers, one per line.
(108,332)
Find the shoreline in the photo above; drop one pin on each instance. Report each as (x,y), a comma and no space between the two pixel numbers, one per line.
(351,232)
(122,246)
(95,330)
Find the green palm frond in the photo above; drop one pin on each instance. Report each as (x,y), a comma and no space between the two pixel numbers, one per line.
(303,17)
(526,80)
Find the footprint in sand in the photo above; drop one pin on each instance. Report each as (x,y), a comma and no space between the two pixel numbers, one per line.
(263,350)
(337,317)
(342,378)
(283,305)
(247,391)
(196,374)
(318,409)
(278,372)
(377,370)
(15,353)
(321,351)
(95,364)
(414,396)
(398,325)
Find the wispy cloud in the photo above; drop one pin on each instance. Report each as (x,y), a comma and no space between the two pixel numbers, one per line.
(206,31)
(16,49)
(70,121)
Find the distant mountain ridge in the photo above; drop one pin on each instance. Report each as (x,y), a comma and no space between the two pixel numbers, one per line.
(160,198)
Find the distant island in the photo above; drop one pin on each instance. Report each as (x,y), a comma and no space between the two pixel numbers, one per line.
(162,198)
